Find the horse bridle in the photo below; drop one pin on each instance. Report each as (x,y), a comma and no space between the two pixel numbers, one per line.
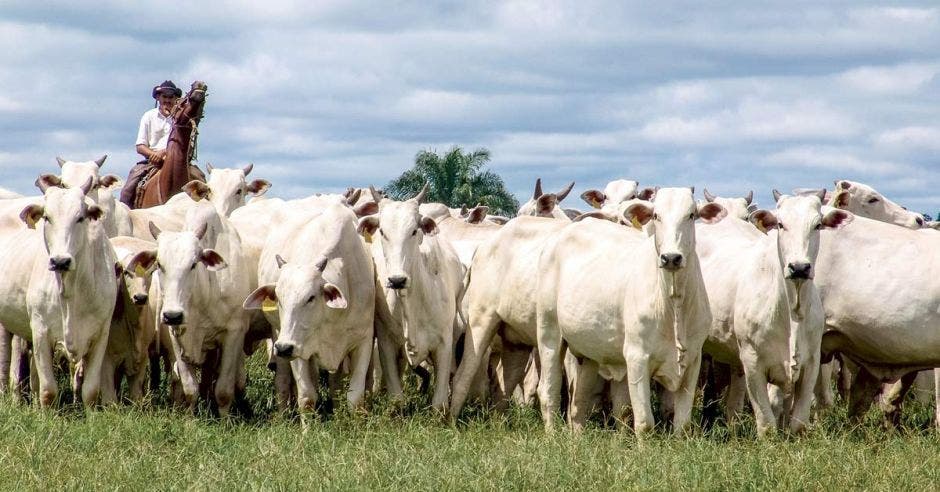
(193,121)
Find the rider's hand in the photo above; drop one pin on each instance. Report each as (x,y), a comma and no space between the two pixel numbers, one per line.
(156,158)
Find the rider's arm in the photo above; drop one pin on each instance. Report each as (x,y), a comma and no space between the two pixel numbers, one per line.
(143,142)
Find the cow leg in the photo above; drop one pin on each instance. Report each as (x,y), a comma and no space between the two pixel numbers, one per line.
(443,360)
(847,371)
(45,369)
(6,347)
(684,396)
(825,397)
(638,379)
(137,381)
(232,354)
(804,392)
(756,380)
(620,401)
(530,384)
(862,393)
(513,366)
(388,357)
(588,388)
(91,368)
(551,353)
(477,340)
(108,386)
(283,382)
(361,362)
(894,399)
(187,378)
(716,380)
(22,379)
(306,385)
(936,394)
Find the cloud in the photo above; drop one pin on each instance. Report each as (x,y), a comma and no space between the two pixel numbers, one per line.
(906,78)
(832,160)
(911,138)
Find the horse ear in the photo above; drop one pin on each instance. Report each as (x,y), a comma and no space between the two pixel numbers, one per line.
(60,160)
(247,169)
(197,190)
(100,161)
(154,230)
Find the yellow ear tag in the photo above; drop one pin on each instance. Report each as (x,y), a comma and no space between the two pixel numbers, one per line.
(140,271)
(269,305)
(635,222)
(760,226)
(595,203)
(367,236)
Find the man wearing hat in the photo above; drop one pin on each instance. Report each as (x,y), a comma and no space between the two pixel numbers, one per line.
(152,137)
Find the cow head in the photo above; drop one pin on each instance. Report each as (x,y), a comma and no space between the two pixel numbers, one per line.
(74,174)
(182,265)
(304,301)
(137,280)
(615,192)
(546,204)
(864,201)
(64,218)
(672,223)
(796,223)
(736,207)
(401,228)
(227,189)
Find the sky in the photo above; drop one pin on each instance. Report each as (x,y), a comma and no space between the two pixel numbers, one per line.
(732,96)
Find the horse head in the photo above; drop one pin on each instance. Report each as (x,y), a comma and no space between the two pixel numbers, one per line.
(190,107)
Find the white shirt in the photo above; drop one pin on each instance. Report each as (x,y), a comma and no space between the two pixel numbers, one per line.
(154,130)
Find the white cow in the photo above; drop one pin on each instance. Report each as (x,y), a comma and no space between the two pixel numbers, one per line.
(227,189)
(864,201)
(615,192)
(630,302)
(320,296)
(59,287)
(736,207)
(778,318)
(202,282)
(546,204)
(421,278)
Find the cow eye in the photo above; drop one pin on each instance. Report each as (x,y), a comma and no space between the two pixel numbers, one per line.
(159,266)
(414,232)
(239,192)
(80,220)
(781,226)
(655,216)
(194,265)
(872,200)
(819,226)
(311,299)
(692,216)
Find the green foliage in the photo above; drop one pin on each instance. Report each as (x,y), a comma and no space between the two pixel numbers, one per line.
(456,179)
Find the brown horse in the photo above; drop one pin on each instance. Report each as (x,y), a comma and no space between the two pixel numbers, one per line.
(169,179)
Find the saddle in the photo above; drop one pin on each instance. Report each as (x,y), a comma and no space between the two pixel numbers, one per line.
(194,173)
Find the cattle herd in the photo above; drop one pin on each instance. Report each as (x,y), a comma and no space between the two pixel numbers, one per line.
(645,292)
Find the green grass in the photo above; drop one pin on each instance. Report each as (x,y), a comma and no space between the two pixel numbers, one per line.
(158,448)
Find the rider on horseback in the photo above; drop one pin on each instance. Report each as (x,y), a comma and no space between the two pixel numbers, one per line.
(152,137)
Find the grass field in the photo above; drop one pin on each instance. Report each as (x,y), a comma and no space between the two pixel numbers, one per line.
(158,448)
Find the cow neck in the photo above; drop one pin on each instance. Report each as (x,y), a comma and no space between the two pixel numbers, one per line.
(797,301)
(75,286)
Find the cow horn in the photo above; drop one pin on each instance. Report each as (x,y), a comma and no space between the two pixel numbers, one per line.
(86,187)
(692,189)
(375,194)
(154,230)
(209,167)
(201,230)
(821,193)
(749,197)
(708,196)
(564,192)
(321,265)
(60,160)
(777,195)
(423,193)
(248,168)
(538,189)
(100,161)
(280,261)
(353,197)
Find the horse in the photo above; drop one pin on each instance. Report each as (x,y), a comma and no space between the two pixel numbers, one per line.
(162,183)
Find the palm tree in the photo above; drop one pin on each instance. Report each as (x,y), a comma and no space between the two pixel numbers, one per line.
(457,180)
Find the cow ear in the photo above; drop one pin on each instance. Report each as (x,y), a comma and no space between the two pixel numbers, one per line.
(212,260)
(545,204)
(261,298)
(477,214)
(498,219)
(46,181)
(638,214)
(258,187)
(367,227)
(366,209)
(837,219)
(712,213)
(108,181)
(197,190)
(93,212)
(764,220)
(31,215)
(154,230)
(594,198)
(840,199)
(334,296)
(647,194)
(428,226)
(118,269)
(142,263)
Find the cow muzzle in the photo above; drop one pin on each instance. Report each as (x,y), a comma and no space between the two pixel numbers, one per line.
(285,349)
(173,318)
(670,261)
(799,271)
(140,299)
(397,282)
(60,263)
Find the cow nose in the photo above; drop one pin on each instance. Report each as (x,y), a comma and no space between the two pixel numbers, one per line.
(920,221)
(140,299)
(173,317)
(397,282)
(284,349)
(60,263)
(670,261)
(799,270)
